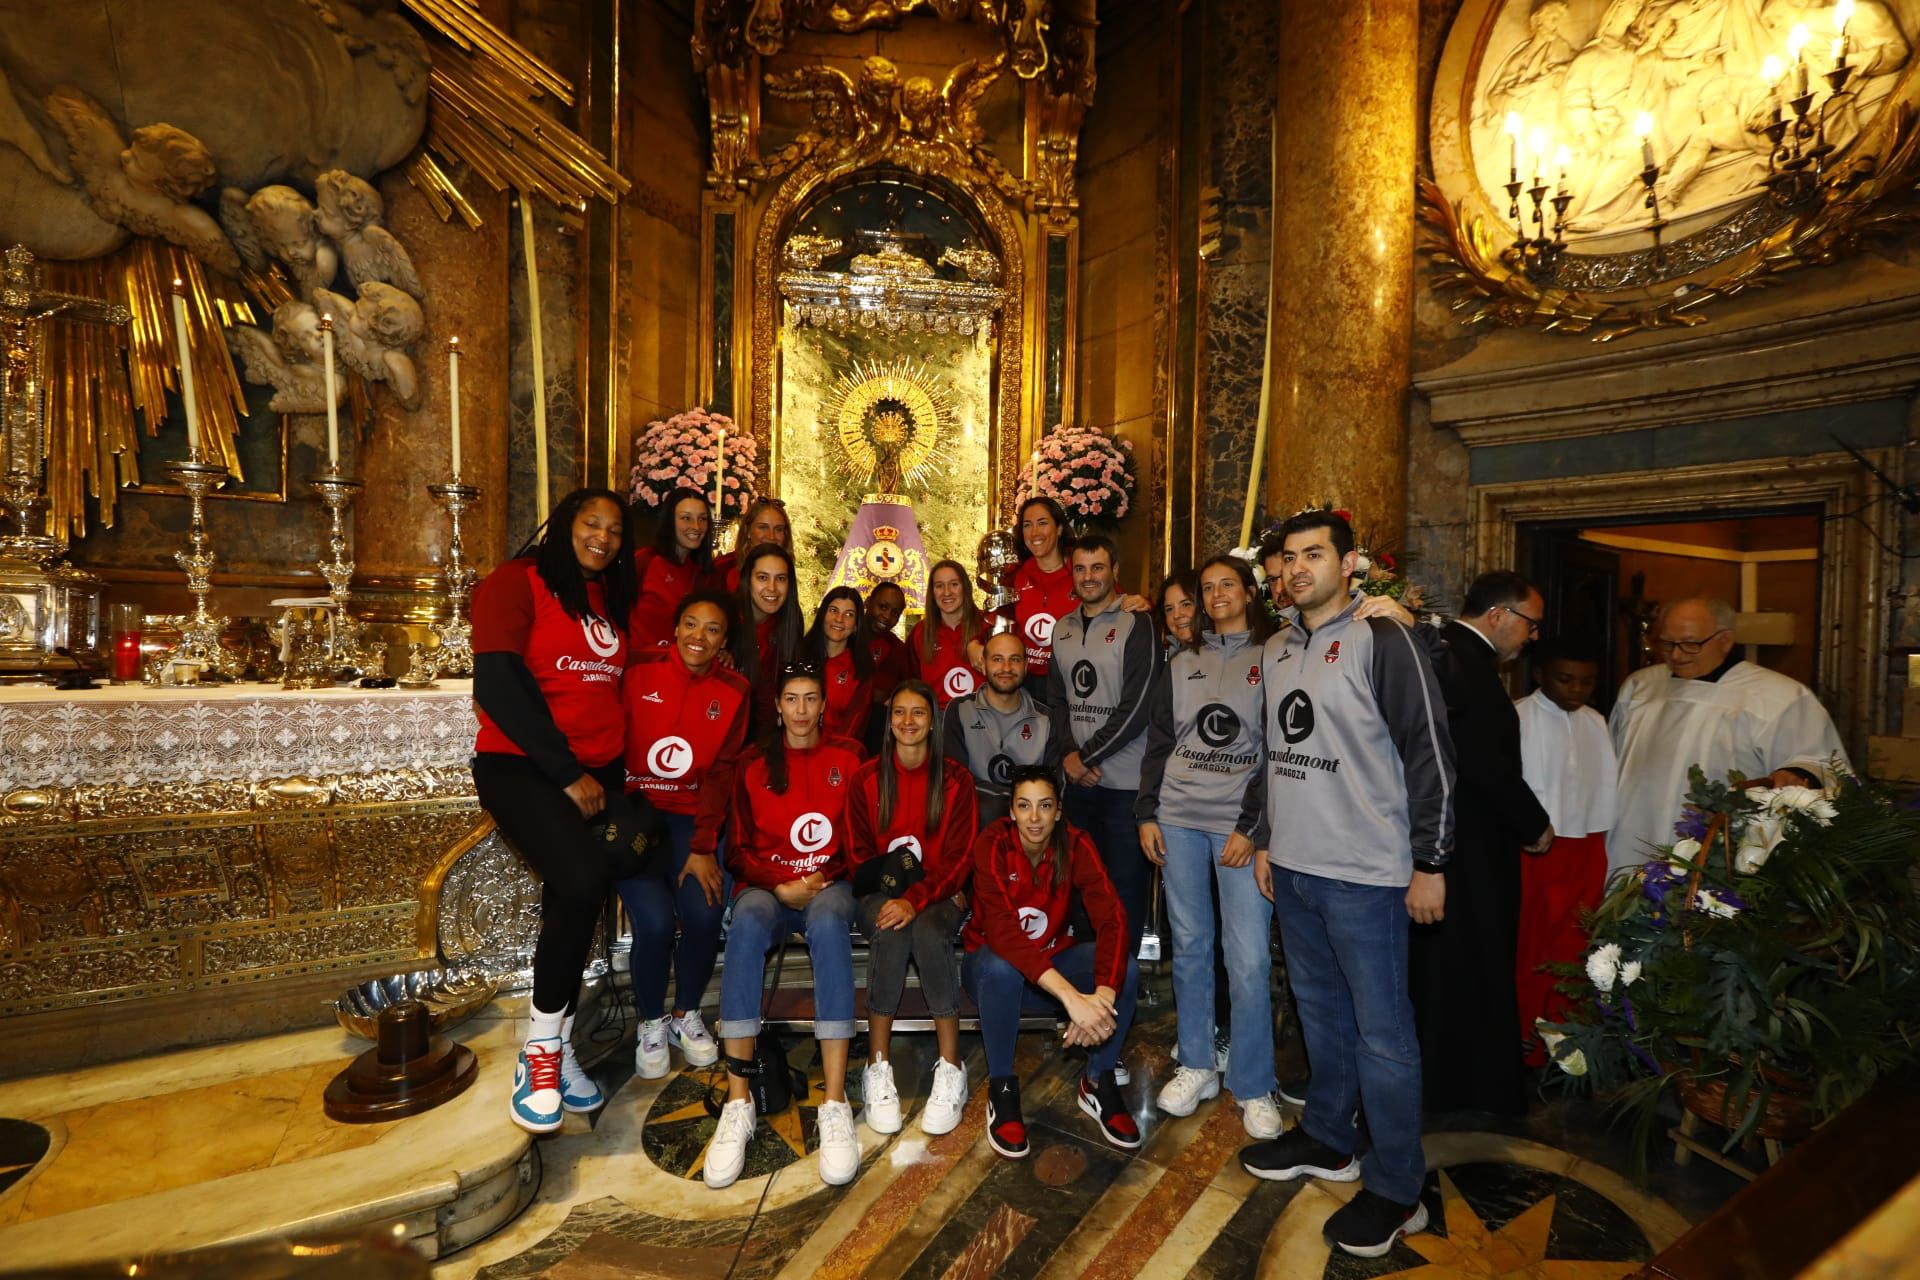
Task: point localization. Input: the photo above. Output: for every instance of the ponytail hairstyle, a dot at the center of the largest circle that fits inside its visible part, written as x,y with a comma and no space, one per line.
1062,833
551,549
969,612
773,744
936,759
1054,509
666,539
1259,621
815,646
787,630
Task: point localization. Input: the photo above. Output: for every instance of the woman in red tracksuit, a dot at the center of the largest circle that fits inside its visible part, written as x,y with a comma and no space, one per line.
912,816
686,726
1043,586
786,849
943,643
771,630
549,650
680,557
1028,868
834,646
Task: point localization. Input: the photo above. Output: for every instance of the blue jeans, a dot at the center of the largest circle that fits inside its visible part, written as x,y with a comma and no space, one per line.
1346,948
1107,818
1003,993
1193,862
655,905
759,921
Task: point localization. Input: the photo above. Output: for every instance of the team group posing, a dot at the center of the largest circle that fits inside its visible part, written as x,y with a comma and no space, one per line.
1011,787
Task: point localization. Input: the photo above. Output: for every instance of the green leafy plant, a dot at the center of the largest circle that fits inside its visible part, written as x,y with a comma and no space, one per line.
1768,965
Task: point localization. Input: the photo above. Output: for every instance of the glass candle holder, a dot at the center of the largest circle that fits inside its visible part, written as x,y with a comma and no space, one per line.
128,621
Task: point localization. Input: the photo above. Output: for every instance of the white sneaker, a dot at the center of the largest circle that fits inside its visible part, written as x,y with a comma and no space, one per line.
691,1037
727,1153
1260,1117
881,1100
946,1101
1189,1088
650,1058
839,1150
578,1092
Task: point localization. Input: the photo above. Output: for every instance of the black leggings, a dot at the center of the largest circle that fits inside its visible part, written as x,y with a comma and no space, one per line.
545,828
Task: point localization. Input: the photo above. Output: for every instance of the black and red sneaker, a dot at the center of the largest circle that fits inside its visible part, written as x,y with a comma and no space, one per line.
1006,1129
1103,1102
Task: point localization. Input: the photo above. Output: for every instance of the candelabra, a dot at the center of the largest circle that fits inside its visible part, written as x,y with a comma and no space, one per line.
200,636
455,654
1797,160
338,491
1648,177
1538,255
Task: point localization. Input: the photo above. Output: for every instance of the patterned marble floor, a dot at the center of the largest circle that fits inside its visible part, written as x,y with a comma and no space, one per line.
1542,1197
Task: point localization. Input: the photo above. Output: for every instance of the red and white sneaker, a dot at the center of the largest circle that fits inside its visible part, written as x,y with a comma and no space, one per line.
1006,1128
1103,1102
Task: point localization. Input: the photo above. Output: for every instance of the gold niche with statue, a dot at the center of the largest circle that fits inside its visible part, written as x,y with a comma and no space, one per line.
1607,166
888,233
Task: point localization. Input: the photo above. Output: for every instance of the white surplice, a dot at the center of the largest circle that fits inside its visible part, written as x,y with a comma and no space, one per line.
1751,719
1567,759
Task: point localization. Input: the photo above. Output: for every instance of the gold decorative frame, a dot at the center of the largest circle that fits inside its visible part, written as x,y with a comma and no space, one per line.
1853,564
1868,190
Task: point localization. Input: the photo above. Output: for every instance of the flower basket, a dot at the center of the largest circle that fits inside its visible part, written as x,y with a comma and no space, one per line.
1089,473
680,451
1784,1113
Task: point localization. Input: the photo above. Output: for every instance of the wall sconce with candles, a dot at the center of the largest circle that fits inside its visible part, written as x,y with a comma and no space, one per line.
1538,255
1798,159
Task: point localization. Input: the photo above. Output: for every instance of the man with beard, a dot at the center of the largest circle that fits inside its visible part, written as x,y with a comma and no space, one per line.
998,727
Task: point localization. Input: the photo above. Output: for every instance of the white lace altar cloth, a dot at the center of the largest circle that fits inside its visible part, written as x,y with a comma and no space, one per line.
133,735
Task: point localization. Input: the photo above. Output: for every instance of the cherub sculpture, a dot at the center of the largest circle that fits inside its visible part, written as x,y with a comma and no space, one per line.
351,213
278,222
288,359
372,335
144,185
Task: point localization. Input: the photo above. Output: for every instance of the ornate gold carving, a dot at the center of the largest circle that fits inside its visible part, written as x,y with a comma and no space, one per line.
767,25
979,265
358,938
107,800
292,793
806,253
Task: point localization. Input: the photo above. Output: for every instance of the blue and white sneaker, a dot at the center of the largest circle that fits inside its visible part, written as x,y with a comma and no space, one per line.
535,1104
578,1092
690,1036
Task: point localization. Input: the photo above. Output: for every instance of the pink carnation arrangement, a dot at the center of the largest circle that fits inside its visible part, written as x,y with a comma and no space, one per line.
680,452
1089,473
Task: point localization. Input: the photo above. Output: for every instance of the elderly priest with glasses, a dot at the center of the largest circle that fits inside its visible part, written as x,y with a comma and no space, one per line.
1708,707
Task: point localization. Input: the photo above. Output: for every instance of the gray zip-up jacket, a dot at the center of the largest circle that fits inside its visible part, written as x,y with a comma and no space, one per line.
994,743
1097,688
1206,740
1359,761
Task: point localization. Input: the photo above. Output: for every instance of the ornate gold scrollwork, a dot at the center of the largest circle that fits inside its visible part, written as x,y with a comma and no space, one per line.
1474,261
767,25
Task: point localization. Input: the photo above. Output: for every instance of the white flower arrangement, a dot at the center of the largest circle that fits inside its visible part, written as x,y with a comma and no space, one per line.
1089,473
680,452
1603,966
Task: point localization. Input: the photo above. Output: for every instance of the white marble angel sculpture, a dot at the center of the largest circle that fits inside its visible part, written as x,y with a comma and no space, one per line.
277,222
144,185
351,213
288,359
372,335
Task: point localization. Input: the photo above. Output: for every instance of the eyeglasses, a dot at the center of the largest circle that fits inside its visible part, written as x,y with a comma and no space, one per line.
1533,624
1688,648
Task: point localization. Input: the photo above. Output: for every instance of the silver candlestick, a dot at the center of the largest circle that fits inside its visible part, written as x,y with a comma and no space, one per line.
200,637
338,491
455,654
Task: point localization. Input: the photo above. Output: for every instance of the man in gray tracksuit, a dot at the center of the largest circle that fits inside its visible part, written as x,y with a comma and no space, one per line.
1360,812
1104,659
998,727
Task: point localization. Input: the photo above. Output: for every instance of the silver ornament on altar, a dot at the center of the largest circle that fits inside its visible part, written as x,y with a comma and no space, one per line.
994,563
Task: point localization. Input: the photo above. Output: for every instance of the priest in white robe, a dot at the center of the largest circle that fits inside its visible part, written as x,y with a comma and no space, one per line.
1709,708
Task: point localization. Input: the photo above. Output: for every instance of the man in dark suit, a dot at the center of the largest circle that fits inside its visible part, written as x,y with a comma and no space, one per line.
1462,973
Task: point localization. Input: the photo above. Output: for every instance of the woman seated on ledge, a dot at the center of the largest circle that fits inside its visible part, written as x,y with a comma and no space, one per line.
787,807
1029,868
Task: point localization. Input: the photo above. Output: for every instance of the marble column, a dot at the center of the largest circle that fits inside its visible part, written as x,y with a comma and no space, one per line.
400,533
1343,259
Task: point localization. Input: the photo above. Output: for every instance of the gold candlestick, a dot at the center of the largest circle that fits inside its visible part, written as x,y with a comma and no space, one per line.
454,657
200,637
338,491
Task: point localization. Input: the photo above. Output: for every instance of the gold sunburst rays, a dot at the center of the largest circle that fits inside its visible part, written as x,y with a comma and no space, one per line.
881,404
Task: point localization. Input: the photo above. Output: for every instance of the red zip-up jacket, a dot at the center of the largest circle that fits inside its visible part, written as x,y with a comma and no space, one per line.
1040,600
891,663
1021,909
849,698
684,732
950,673
664,583
946,855
777,838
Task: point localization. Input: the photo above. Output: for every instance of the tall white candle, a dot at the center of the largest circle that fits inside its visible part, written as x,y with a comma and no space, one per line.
453,395
186,369
333,408
719,470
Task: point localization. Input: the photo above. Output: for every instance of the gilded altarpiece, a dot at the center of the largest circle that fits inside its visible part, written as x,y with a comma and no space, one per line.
972,105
